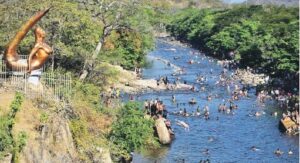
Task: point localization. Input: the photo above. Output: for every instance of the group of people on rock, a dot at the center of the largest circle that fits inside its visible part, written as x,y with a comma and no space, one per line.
288,102
294,116
156,109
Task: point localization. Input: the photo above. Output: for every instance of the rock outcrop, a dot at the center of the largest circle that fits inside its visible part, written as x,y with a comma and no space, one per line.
162,131
102,156
54,144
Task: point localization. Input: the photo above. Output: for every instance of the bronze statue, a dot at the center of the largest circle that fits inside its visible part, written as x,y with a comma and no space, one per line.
38,55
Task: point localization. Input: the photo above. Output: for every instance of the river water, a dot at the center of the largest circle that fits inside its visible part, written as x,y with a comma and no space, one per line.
228,139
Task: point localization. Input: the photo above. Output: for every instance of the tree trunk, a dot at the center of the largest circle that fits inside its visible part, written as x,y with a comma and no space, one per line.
98,48
89,63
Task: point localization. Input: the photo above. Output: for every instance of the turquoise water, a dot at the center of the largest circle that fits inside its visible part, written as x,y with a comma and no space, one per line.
230,138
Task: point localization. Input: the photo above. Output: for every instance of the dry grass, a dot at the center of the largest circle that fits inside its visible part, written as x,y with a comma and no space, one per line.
96,121
27,119
6,97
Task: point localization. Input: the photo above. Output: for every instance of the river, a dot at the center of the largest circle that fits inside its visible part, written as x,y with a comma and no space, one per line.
230,138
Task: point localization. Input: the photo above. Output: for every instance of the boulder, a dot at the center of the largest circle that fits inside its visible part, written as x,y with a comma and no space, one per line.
102,155
54,144
162,131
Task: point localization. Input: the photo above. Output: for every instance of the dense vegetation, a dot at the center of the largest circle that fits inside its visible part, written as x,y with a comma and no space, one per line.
89,35
262,37
121,129
132,131
81,31
74,30
8,142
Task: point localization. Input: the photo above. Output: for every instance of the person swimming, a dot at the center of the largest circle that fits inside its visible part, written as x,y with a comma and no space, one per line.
220,108
209,98
206,112
180,111
198,111
192,101
278,152
183,124
193,114
257,114
205,151
254,148
290,152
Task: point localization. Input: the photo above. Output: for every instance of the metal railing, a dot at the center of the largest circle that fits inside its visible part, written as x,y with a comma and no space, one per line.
50,85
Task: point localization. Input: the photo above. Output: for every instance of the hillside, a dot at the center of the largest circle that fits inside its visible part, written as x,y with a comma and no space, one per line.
274,2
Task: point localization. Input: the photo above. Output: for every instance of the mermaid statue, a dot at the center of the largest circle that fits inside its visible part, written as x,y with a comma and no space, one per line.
39,53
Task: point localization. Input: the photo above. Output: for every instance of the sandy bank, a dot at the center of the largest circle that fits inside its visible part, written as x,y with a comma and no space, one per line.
129,82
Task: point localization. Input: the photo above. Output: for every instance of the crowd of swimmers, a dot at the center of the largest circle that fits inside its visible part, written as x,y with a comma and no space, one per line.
197,113
156,108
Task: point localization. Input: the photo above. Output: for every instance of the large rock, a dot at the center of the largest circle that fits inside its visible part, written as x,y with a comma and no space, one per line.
102,156
162,131
53,145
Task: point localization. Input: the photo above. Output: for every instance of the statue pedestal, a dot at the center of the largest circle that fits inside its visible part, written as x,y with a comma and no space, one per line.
34,77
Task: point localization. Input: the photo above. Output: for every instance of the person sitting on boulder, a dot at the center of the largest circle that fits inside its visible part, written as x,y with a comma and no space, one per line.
168,125
153,109
164,112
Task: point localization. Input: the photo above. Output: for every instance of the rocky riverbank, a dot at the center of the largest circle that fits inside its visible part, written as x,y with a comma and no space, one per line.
244,75
130,82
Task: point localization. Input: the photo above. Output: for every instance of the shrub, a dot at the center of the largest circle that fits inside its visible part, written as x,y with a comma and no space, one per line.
132,131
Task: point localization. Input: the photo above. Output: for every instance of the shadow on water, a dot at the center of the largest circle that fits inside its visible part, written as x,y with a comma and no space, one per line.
229,138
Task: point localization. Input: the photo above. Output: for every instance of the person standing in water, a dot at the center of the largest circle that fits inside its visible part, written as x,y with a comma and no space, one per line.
173,98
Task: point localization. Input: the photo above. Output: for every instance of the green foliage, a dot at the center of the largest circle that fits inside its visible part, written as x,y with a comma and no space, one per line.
5,136
80,132
132,131
16,104
19,143
88,93
74,31
7,142
261,37
130,49
44,118
71,32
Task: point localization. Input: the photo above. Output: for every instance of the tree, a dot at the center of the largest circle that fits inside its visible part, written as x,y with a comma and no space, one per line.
113,16
71,34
